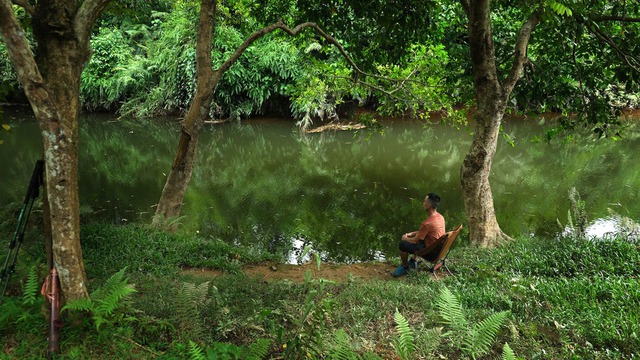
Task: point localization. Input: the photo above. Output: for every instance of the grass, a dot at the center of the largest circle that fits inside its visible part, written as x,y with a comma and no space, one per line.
568,299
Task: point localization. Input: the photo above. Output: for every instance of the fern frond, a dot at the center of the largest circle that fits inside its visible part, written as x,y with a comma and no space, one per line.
114,281
258,350
484,334
82,304
111,300
405,343
31,287
341,347
507,353
195,352
190,298
428,341
451,311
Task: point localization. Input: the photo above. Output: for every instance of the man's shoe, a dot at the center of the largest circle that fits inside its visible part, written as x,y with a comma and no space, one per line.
413,264
400,271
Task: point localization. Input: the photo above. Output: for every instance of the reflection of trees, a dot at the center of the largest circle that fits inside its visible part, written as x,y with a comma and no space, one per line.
537,177
119,165
348,195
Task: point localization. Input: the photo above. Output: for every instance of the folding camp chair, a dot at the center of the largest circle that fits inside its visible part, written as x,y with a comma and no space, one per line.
437,252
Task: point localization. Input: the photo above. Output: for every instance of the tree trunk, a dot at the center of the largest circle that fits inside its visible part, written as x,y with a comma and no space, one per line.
491,98
62,29
179,177
476,189
60,59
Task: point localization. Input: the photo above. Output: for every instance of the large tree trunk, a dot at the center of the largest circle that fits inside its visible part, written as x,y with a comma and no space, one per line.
60,58
476,189
178,180
491,98
62,30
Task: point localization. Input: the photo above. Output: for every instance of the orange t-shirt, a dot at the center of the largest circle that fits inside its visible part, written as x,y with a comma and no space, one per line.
431,229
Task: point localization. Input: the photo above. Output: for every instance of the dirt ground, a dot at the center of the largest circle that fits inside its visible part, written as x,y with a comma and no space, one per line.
296,273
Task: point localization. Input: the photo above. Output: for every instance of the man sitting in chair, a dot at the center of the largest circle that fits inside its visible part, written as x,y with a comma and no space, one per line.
431,229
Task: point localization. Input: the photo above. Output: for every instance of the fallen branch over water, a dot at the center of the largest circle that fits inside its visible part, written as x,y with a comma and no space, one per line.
335,127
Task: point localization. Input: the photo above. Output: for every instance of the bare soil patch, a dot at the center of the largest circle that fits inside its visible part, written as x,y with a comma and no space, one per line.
297,273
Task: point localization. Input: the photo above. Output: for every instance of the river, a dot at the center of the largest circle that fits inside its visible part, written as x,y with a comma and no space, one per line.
348,194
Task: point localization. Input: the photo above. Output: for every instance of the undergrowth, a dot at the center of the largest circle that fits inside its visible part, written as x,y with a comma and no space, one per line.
532,298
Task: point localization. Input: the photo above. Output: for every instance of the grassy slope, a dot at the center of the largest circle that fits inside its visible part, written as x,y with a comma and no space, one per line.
567,298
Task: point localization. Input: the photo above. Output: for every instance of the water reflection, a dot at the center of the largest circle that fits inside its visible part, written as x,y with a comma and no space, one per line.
348,194
614,226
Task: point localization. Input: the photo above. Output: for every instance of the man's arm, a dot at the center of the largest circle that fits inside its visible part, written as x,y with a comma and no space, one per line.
411,237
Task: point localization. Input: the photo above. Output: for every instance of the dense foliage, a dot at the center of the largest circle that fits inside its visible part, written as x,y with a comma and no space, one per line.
566,297
581,59
559,298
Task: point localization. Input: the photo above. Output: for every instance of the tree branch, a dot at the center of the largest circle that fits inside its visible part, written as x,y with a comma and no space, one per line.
520,55
25,5
293,32
622,18
24,62
86,18
630,60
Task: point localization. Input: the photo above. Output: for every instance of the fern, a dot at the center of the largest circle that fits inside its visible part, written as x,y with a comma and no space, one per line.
405,343
105,302
507,353
484,333
474,340
341,347
190,299
195,352
429,340
258,350
109,296
31,287
451,311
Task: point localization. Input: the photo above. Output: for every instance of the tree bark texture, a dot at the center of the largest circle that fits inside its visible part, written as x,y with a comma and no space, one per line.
491,96
52,86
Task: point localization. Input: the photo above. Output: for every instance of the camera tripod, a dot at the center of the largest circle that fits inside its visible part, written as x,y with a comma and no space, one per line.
33,191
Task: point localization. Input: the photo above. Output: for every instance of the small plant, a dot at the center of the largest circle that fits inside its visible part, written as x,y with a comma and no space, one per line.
341,349
107,304
170,223
473,339
577,222
307,338
190,300
405,342
26,308
507,353
218,350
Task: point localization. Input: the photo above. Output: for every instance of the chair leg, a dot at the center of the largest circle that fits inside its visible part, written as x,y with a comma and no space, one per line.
447,268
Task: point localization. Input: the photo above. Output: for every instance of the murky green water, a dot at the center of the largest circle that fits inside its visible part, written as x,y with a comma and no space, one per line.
349,194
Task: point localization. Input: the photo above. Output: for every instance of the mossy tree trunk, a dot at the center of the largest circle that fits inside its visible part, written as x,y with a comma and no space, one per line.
62,29
492,95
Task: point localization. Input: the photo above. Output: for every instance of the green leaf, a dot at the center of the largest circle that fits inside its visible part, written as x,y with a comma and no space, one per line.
507,353
6,127
405,343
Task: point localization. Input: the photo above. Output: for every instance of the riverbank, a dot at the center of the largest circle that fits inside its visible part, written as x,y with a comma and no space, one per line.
568,298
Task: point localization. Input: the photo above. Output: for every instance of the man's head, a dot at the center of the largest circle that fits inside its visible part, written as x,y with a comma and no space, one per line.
432,200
